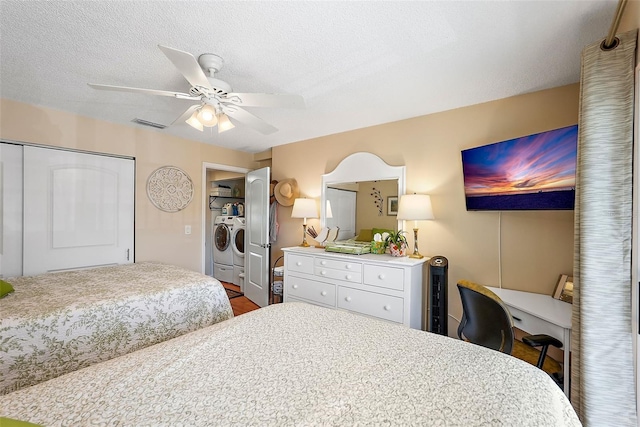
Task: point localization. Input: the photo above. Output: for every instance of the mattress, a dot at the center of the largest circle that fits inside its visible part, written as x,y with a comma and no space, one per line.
298,364
57,323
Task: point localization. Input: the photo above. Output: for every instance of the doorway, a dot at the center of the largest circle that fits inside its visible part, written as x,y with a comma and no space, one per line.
234,176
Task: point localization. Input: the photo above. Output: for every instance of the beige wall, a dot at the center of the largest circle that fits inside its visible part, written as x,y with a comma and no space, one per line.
159,235
367,212
531,249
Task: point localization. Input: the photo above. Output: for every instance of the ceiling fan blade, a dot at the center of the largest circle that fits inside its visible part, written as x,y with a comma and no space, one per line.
144,91
264,100
187,65
248,119
186,115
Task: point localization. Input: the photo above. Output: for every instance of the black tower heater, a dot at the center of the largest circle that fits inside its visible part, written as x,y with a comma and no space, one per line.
438,285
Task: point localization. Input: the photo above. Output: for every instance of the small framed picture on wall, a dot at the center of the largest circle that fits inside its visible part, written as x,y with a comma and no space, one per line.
392,205
564,289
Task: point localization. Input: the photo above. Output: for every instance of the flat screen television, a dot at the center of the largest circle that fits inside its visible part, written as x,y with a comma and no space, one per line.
535,172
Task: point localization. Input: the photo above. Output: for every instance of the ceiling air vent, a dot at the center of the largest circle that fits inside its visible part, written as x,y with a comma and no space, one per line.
148,123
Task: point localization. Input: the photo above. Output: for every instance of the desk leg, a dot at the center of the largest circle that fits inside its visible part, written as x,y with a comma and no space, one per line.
567,352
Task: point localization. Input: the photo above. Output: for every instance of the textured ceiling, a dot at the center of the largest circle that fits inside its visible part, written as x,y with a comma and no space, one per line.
356,64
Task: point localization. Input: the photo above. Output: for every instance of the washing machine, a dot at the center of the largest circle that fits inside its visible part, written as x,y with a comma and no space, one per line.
222,248
237,246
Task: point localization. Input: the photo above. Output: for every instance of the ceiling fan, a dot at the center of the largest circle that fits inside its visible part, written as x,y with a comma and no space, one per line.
216,101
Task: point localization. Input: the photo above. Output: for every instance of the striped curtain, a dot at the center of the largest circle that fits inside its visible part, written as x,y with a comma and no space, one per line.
602,378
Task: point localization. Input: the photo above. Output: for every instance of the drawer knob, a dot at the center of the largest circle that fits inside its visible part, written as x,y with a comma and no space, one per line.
298,263
387,308
348,266
323,262
381,276
323,293
295,286
347,299
348,277
323,272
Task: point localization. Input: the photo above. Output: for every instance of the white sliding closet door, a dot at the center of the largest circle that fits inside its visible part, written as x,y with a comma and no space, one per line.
78,210
10,210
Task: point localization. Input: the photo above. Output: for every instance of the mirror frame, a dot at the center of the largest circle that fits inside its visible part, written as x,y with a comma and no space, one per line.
357,167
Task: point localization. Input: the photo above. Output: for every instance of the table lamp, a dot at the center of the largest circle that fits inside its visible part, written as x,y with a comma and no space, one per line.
415,207
304,208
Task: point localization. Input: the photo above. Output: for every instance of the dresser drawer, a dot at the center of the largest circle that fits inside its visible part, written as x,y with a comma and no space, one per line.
377,305
300,263
335,264
534,325
316,292
384,277
347,276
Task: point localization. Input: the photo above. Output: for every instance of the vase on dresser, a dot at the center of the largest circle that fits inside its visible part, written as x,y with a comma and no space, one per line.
398,250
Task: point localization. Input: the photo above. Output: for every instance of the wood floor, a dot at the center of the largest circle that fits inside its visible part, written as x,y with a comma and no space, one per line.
240,305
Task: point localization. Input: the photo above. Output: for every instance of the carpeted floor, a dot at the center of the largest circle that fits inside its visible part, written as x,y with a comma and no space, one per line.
233,294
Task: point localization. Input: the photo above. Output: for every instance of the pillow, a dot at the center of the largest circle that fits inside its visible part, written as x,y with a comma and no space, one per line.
365,235
5,288
381,230
10,422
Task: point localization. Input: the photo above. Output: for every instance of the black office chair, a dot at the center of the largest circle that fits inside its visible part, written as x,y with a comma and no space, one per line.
486,321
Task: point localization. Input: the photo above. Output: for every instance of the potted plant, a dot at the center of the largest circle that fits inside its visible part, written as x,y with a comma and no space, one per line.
397,243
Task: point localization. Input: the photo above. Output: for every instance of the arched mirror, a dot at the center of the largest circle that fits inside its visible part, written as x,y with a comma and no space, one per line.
363,193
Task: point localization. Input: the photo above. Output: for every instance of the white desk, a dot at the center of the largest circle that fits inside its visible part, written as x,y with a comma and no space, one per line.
541,314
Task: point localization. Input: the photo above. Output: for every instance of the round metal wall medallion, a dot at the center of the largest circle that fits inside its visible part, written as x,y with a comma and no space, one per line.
170,189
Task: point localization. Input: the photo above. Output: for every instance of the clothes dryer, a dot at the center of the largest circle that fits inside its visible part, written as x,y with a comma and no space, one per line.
237,246
222,248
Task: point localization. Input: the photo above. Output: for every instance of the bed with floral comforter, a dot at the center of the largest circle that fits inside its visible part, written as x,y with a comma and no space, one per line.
56,323
296,364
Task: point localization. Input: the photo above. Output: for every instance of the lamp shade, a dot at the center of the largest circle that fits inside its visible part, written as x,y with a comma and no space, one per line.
194,122
415,207
304,208
207,116
224,123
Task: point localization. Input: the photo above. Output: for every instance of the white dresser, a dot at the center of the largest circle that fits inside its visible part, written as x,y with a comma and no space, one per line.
381,286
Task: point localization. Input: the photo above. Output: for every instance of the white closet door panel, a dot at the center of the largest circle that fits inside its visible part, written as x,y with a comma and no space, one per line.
10,210
79,210
86,214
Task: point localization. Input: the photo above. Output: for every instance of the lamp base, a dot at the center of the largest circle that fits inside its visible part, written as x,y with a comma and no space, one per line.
304,243
415,253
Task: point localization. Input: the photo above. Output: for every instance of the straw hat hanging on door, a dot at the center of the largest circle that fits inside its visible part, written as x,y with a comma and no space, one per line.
286,191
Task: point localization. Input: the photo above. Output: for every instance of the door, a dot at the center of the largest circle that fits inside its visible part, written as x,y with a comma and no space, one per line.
343,206
78,210
256,259
10,210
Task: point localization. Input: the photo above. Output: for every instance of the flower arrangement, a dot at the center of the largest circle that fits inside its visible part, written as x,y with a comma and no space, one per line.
379,243
397,243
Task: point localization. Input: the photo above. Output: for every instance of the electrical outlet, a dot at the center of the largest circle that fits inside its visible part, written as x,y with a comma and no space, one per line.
187,229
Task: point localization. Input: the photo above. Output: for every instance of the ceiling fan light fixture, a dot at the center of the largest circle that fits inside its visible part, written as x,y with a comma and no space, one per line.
207,116
224,124
194,122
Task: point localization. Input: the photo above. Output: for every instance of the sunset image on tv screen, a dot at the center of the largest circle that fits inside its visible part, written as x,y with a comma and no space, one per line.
527,173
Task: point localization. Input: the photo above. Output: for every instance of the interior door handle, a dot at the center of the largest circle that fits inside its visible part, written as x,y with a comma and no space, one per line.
265,245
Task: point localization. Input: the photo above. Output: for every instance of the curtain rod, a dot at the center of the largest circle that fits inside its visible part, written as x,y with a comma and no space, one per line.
610,41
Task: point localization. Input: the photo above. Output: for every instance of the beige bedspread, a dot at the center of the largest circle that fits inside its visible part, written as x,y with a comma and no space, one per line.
60,322
295,364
